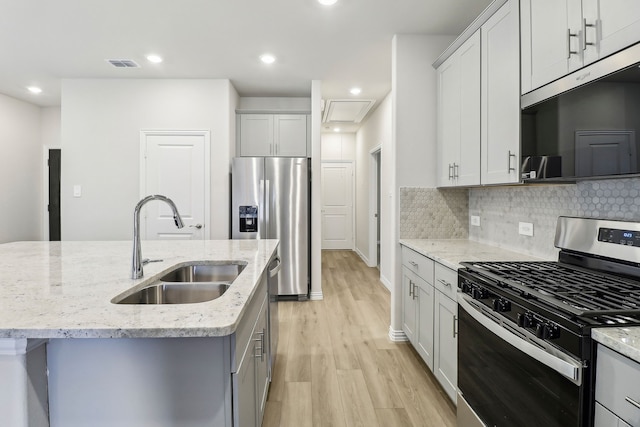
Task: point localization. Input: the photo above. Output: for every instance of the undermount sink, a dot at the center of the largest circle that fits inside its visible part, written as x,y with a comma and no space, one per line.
191,283
206,272
175,293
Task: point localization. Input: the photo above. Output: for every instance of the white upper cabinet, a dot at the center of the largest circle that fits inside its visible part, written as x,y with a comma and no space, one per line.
290,135
458,124
609,26
500,97
281,135
561,36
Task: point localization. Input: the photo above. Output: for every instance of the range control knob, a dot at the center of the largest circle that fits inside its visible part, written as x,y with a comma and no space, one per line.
479,293
547,330
466,287
542,331
526,320
501,305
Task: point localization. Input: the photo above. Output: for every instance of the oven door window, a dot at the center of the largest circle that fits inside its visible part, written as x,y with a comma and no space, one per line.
507,387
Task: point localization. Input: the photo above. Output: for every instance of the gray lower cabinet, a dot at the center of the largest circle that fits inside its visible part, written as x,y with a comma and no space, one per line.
163,382
617,391
251,379
429,315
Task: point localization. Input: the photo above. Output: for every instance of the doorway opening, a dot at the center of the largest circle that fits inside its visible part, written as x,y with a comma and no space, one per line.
374,206
53,202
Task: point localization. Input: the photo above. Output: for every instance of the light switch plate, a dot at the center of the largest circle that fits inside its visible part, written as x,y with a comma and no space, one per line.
525,228
475,220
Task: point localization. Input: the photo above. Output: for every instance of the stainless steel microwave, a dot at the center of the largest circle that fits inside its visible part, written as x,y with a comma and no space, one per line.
586,124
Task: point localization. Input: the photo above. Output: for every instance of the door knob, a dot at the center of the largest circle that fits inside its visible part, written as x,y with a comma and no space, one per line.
198,226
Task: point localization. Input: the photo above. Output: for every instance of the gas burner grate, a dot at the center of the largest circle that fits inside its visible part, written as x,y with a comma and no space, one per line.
577,290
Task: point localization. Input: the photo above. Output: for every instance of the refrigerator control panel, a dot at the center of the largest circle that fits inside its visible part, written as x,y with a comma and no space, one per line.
248,219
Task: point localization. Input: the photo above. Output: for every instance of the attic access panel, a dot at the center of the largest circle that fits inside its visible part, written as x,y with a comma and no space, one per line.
346,110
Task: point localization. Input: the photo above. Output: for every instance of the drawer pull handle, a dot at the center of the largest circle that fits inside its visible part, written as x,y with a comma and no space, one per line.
444,282
413,263
633,402
455,320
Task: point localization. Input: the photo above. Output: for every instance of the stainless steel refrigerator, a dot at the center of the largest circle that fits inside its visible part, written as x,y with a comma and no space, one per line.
270,199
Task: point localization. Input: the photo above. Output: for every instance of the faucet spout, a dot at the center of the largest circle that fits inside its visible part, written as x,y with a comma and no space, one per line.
136,264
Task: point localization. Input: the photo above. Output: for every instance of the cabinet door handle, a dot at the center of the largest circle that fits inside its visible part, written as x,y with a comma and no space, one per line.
455,320
584,33
569,51
632,401
450,171
509,168
410,288
455,170
444,282
260,350
414,264
414,291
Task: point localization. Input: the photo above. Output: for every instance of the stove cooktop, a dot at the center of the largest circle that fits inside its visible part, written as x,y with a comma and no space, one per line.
575,290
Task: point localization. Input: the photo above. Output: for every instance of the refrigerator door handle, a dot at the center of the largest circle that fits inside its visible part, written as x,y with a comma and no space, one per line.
261,208
274,271
267,210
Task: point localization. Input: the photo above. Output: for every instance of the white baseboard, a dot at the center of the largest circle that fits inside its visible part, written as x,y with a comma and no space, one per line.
364,258
396,335
385,282
316,296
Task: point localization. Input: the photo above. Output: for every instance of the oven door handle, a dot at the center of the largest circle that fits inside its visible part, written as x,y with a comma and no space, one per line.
570,370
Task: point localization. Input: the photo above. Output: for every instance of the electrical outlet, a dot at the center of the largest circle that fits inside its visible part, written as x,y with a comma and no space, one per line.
525,228
77,190
475,220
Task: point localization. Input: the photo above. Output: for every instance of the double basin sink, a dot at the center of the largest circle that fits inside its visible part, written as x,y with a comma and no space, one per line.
186,284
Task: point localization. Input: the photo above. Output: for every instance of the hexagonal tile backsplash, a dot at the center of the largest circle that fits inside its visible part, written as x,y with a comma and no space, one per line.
502,208
431,213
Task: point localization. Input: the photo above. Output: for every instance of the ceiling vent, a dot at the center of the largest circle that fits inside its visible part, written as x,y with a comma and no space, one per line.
123,63
342,111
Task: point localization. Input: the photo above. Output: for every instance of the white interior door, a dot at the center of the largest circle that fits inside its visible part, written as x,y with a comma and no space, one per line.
337,205
175,164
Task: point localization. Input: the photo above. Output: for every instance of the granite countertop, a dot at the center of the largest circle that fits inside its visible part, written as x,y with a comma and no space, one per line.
625,341
452,252
64,289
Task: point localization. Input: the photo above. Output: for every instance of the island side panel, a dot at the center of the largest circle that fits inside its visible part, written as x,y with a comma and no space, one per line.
135,382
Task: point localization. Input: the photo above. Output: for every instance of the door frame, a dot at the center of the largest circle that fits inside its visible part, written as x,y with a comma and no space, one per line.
353,196
45,188
207,169
375,155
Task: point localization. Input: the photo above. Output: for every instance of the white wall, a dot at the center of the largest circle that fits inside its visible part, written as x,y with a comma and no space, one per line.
20,171
413,84
375,132
274,104
316,191
101,123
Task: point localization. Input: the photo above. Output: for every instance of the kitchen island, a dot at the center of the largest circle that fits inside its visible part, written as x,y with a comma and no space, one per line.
53,293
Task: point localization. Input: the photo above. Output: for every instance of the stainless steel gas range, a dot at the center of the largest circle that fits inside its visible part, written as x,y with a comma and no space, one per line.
525,355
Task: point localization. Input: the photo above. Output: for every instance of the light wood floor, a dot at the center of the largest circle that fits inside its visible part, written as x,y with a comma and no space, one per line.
336,365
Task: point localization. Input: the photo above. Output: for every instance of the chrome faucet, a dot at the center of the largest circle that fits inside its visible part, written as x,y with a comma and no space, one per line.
136,265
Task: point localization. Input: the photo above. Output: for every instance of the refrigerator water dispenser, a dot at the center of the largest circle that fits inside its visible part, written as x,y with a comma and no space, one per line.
248,219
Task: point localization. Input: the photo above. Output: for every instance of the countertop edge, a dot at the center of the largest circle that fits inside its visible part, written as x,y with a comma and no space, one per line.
625,341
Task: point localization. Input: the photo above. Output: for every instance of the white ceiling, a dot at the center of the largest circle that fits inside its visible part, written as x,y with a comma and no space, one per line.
345,45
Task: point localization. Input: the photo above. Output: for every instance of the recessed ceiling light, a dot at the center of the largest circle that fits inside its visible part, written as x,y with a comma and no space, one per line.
154,58
268,58
336,129
34,89
355,91
327,2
